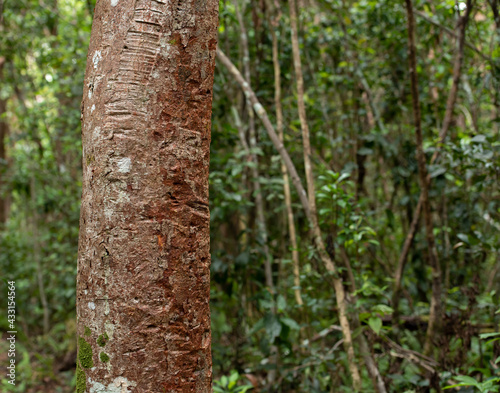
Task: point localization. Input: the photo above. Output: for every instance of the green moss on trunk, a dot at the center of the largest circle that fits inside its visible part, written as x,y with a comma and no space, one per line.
81,384
104,357
102,339
85,353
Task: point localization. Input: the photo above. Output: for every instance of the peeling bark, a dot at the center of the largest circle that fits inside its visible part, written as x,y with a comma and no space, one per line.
143,266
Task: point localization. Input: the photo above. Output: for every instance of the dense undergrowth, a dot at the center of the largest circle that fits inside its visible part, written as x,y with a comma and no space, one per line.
359,108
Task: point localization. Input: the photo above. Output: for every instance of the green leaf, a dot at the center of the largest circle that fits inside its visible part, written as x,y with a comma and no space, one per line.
290,323
464,379
479,139
364,151
437,172
281,303
233,378
382,309
272,326
376,324
489,335
258,325
342,177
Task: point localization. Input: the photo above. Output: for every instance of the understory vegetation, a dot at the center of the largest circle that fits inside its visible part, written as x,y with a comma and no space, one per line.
413,238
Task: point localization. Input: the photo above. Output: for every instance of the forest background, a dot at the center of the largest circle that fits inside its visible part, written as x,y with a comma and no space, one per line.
274,315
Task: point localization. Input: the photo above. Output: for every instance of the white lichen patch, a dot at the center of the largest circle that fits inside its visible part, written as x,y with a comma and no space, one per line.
114,3
169,49
119,385
259,109
90,94
123,197
109,211
124,165
116,205
106,306
97,132
109,328
91,305
97,58
92,109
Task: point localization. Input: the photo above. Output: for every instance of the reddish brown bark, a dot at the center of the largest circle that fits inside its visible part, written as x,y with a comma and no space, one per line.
143,266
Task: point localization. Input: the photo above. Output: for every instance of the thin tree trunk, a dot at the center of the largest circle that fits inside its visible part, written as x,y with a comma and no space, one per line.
261,113
259,202
450,105
329,263
369,99
364,348
330,266
457,71
495,8
143,287
435,307
286,182
38,258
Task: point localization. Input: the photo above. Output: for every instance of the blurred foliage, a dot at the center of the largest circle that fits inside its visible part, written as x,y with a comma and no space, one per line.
354,57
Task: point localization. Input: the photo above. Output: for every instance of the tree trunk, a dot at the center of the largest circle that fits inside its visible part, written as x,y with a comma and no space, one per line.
450,105
311,193
143,266
259,200
435,306
327,261
286,182
37,256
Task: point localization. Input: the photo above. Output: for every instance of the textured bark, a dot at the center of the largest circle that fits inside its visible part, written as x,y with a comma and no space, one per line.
143,267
